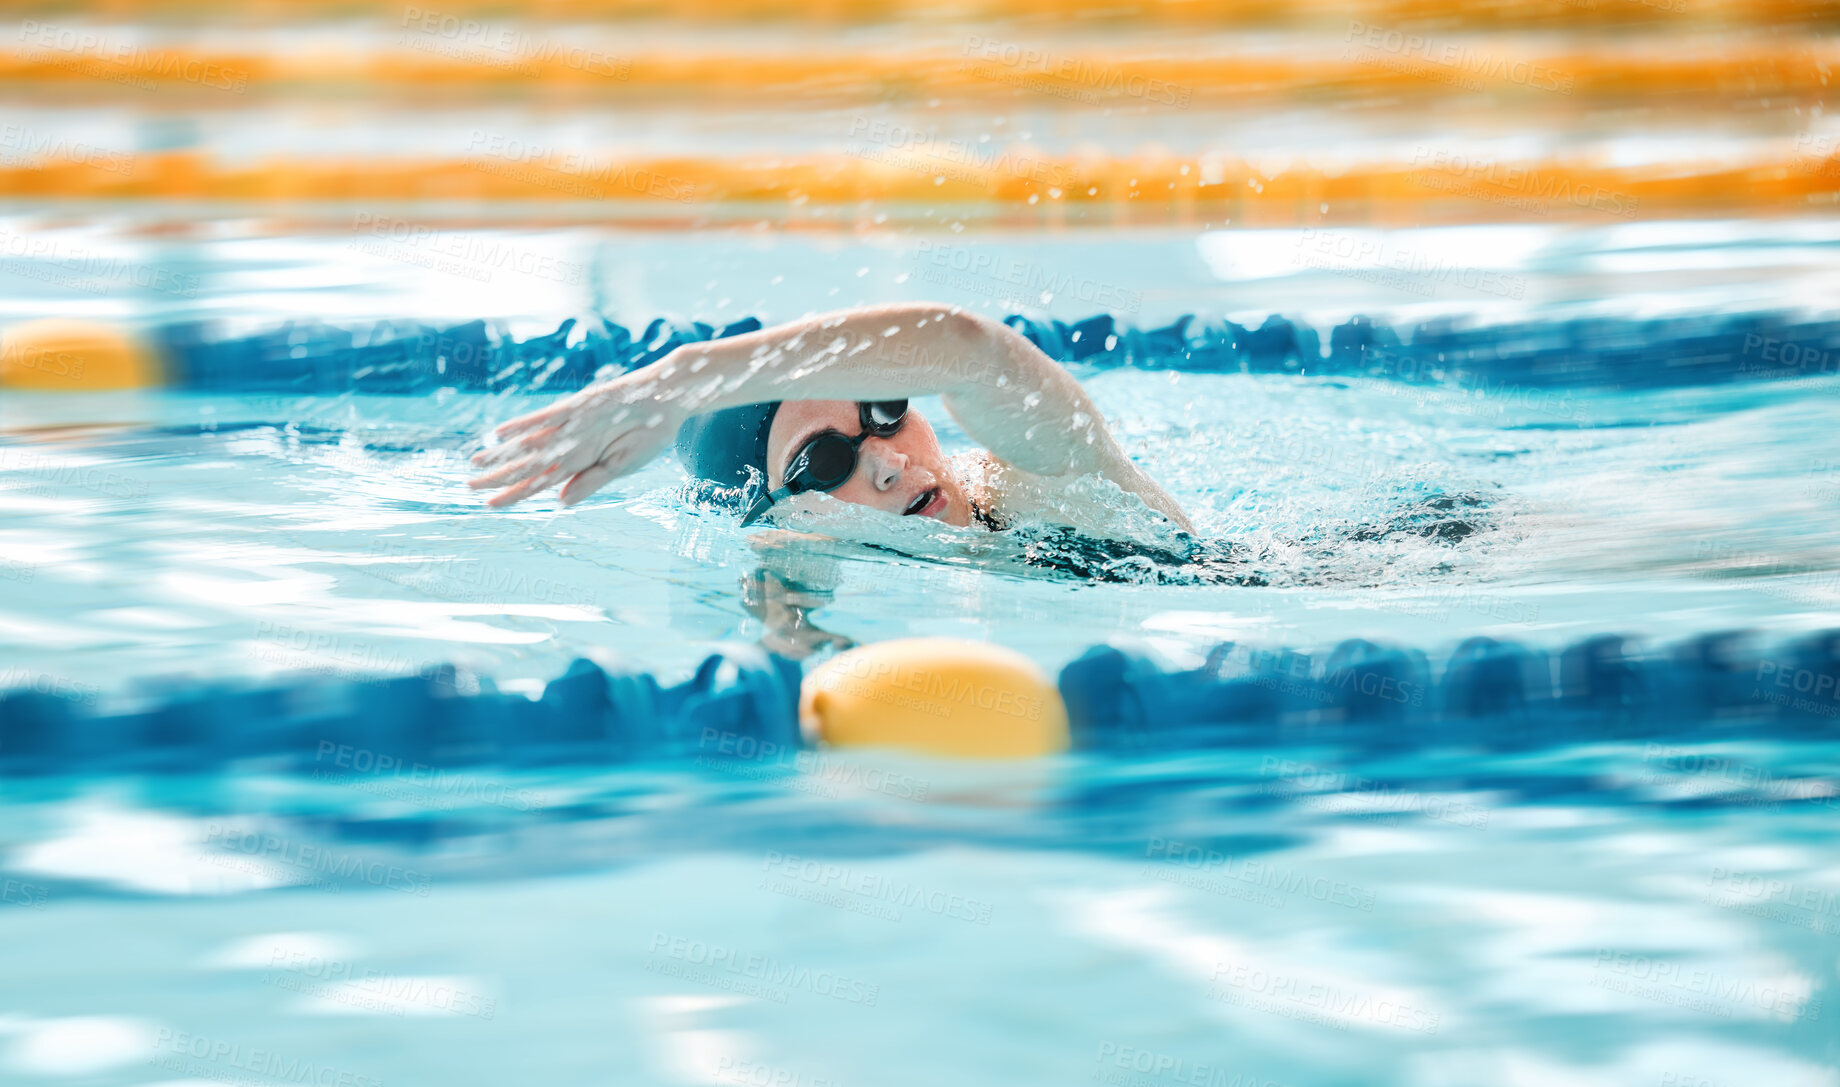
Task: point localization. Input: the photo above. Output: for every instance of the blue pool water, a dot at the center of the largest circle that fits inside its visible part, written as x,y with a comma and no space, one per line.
1656,912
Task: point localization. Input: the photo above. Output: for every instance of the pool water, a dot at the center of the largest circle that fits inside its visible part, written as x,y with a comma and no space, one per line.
220,536
1660,913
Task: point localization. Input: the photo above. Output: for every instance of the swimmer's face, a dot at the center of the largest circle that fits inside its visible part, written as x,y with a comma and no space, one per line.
906,474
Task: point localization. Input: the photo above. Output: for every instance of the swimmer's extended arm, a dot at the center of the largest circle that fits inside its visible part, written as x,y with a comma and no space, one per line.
1019,403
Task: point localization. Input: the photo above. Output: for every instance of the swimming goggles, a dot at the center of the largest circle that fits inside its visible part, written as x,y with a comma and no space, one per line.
828,460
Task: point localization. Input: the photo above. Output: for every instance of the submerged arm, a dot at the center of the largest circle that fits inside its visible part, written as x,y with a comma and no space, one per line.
1007,395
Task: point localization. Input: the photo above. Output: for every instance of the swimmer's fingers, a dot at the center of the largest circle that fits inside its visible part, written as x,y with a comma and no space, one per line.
586,482
523,424
566,454
505,450
524,490
584,406
624,455
514,472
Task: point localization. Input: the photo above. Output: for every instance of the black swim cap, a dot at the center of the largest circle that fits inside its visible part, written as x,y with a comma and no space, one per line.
721,446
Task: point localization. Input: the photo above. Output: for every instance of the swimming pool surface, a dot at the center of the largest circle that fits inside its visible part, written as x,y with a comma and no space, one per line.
1657,912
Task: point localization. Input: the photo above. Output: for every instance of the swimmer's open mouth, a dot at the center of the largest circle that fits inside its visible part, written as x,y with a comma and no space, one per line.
923,501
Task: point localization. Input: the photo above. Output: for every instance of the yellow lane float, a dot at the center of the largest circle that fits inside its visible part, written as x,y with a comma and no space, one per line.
58,354
935,696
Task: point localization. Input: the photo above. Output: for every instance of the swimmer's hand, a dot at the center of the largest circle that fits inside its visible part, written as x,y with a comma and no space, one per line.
582,442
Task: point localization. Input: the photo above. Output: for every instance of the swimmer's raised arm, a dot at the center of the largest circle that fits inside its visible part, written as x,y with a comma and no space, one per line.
1020,404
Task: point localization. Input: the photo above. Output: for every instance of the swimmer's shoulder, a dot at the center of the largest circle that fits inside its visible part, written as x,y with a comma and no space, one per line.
1003,495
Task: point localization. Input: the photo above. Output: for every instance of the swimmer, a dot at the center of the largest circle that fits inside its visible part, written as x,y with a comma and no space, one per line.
790,417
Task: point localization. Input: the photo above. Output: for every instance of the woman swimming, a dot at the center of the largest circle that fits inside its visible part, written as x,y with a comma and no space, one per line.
818,406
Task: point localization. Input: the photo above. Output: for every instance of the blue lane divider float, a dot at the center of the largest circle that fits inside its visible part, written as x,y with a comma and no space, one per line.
441,717
1604,352
1486,693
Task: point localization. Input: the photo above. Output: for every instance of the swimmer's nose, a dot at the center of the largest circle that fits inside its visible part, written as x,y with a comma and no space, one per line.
883,463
